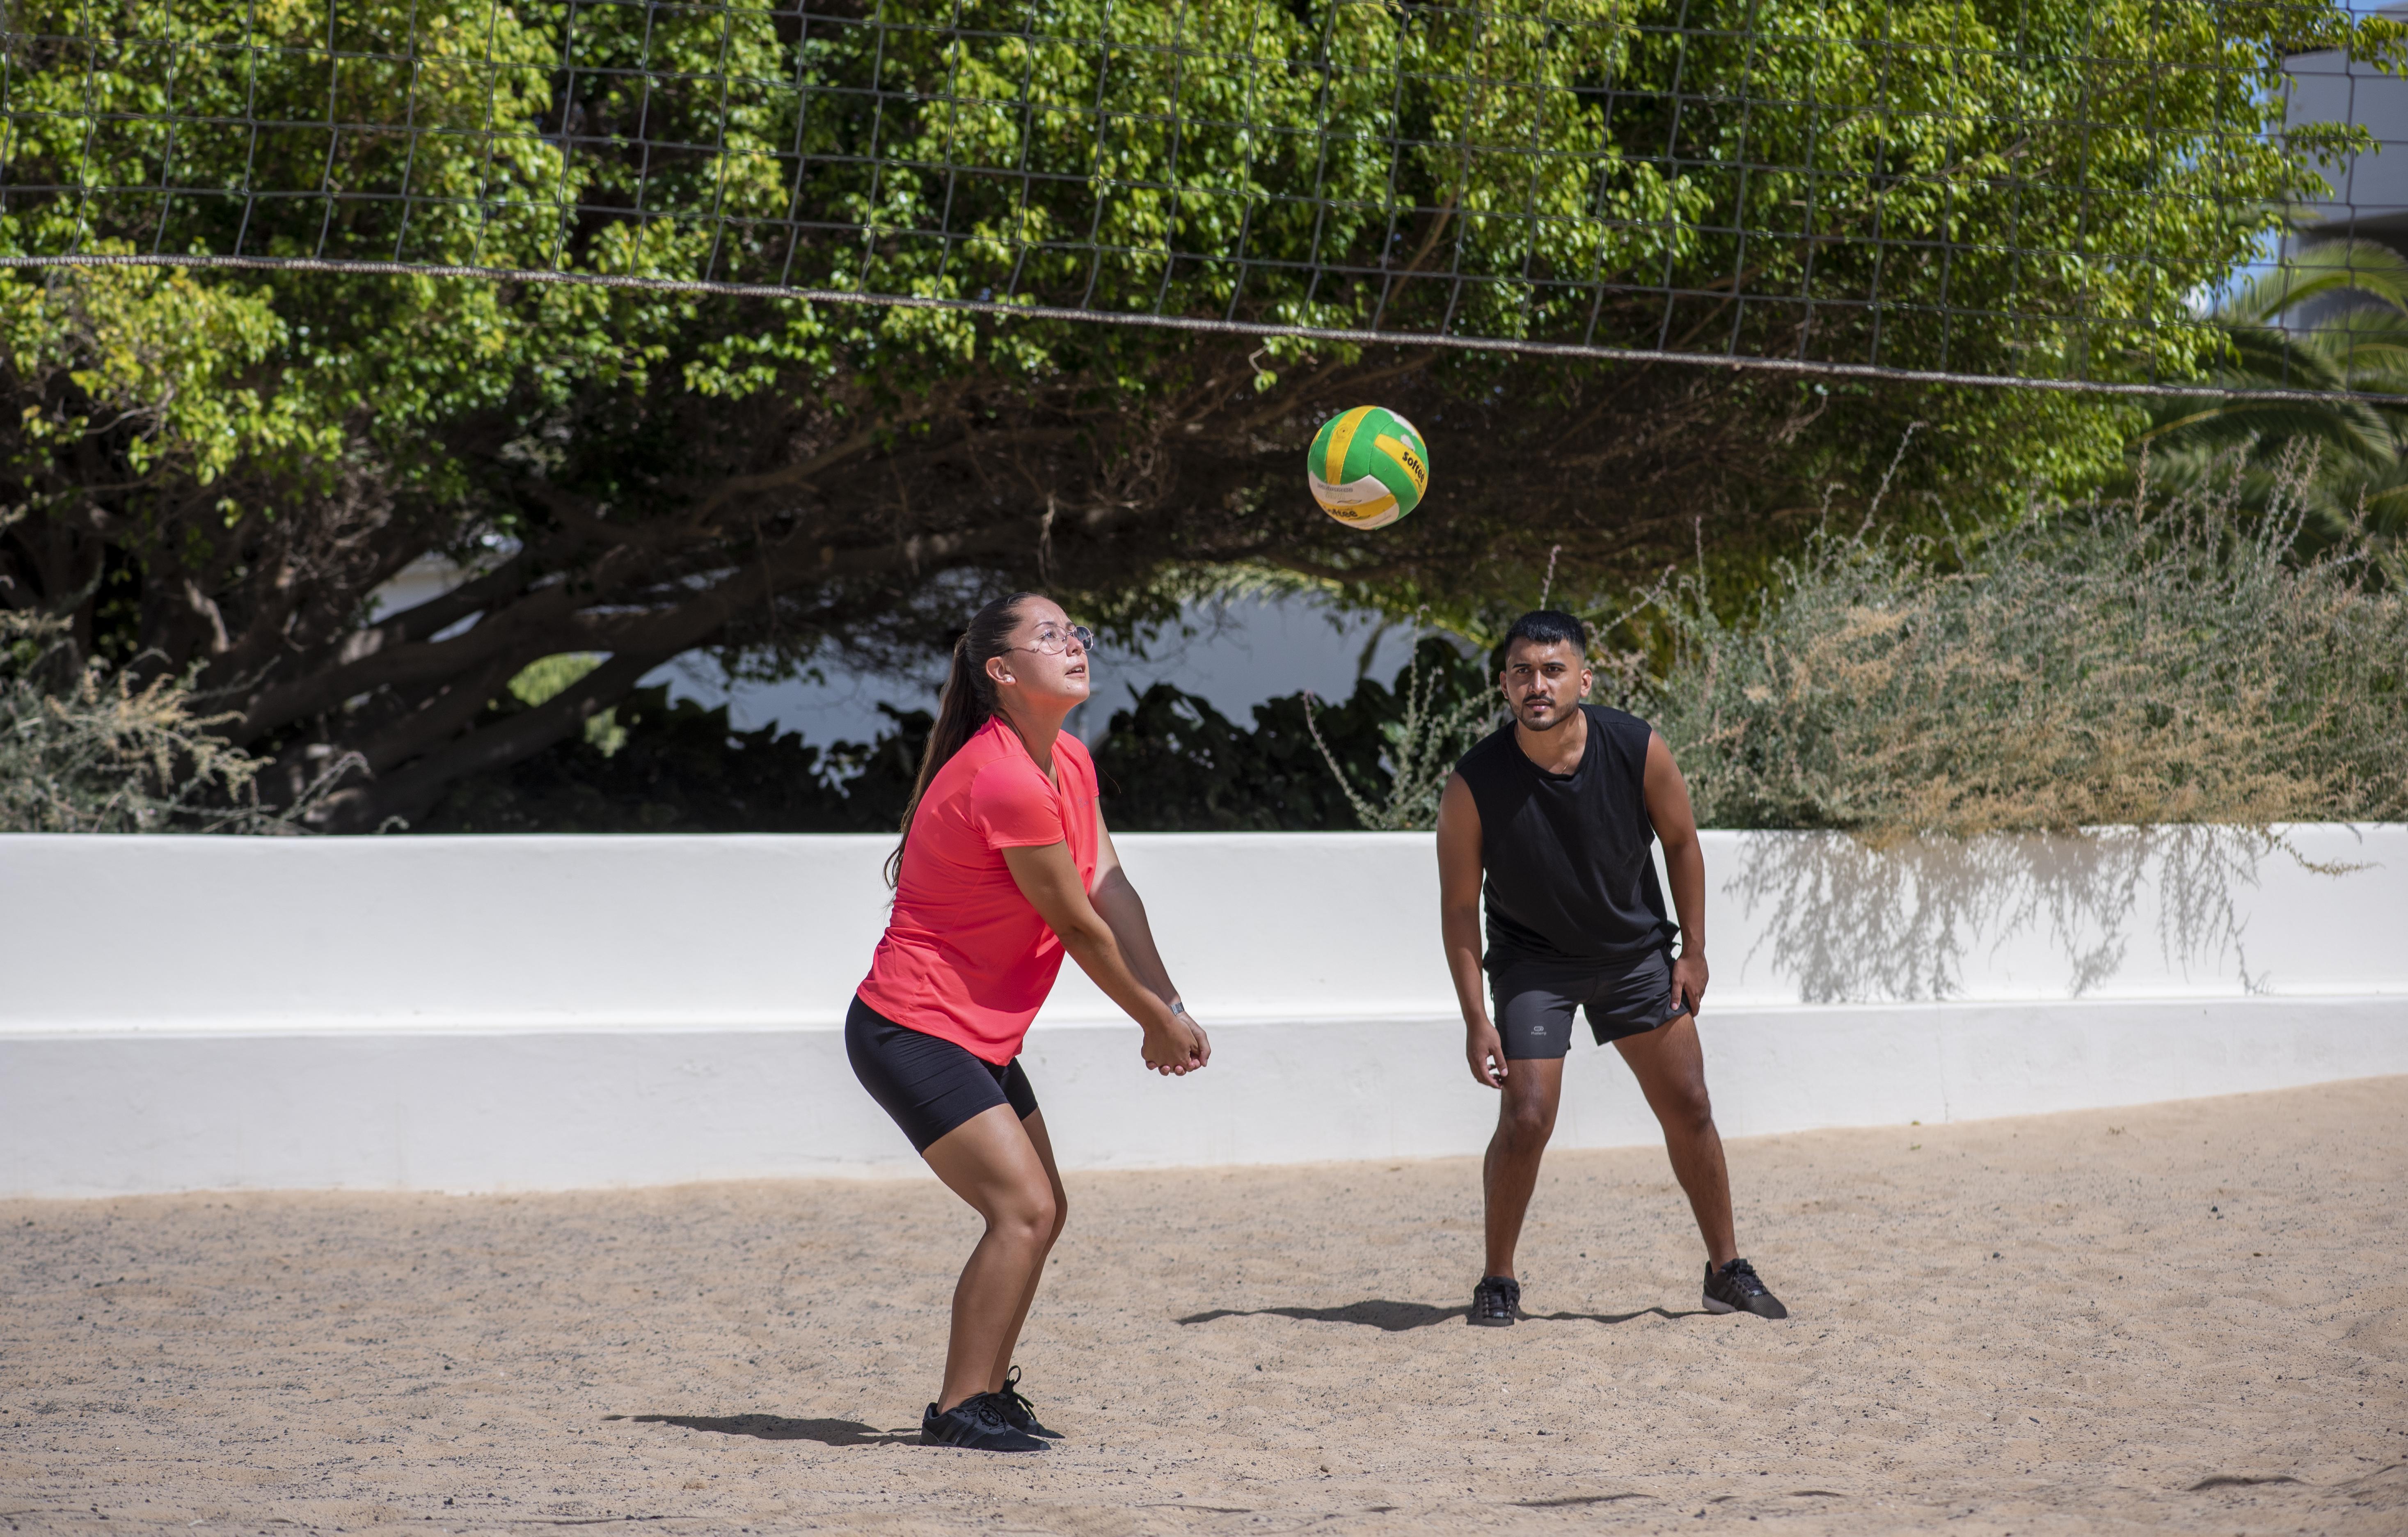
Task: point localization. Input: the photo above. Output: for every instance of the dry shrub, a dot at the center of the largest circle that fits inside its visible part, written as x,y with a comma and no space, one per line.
2114,664
91,753
1447,707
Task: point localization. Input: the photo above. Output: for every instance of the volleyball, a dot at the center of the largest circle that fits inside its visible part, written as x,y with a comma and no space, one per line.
1369,466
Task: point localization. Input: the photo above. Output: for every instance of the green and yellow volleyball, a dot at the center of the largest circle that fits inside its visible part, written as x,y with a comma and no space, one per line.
1369,466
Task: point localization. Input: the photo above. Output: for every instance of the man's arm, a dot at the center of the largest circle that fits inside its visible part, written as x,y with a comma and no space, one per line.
1458,909
1676,828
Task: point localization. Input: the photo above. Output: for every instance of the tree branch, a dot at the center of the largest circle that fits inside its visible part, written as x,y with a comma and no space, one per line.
637,646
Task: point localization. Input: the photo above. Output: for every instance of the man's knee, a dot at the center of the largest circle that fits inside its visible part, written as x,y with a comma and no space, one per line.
1527,1121
1685,1107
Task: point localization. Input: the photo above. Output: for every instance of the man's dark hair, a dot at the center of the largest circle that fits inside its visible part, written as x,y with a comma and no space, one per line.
1547,627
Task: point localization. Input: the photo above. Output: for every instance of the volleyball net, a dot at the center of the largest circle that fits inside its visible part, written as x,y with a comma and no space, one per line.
2037,192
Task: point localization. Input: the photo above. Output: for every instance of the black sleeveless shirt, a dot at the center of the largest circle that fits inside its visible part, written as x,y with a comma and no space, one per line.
1570,871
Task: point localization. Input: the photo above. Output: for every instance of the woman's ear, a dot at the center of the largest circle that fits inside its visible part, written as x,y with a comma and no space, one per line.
997,670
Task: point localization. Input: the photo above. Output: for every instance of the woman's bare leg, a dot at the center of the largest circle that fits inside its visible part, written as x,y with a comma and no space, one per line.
990,1161
1035,1127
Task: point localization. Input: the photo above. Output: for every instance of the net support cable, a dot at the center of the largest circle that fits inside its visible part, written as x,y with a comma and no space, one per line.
1193,324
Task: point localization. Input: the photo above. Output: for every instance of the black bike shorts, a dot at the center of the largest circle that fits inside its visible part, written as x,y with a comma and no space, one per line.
928,1084
1533,1002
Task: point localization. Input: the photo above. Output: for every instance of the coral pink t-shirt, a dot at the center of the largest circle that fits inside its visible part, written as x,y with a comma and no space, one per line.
965,957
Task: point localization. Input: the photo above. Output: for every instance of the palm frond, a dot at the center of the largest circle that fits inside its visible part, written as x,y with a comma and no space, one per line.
2318,271
2362,347
2352,428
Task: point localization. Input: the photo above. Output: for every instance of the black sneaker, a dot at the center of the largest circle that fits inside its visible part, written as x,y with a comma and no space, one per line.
977,1423
1019,1413
1734,1288
1496,1303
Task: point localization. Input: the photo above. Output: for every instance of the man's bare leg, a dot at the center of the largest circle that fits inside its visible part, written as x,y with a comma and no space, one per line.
1670,1066
1526,1118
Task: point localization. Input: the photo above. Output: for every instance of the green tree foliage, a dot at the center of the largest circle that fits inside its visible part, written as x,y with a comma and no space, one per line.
217,469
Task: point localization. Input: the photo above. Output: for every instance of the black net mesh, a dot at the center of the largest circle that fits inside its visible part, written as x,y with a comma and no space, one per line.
2041,191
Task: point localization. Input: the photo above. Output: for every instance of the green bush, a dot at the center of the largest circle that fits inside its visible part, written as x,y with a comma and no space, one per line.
674,766
1172,763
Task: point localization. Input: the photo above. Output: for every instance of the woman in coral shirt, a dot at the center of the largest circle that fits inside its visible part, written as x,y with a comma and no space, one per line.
1004,866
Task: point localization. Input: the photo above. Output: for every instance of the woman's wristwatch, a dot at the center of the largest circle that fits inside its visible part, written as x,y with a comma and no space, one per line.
1178,1008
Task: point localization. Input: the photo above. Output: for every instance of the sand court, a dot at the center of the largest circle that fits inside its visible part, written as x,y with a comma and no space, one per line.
2188,1316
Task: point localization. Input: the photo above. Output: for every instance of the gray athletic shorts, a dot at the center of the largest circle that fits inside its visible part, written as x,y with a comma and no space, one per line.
1534,999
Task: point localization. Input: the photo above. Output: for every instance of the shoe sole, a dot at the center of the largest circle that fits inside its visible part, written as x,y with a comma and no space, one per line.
928,1440
1477,1322
1007,1451
1714,1306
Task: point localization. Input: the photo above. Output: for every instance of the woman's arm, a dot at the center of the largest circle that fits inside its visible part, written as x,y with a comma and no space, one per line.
1049,878
1124,911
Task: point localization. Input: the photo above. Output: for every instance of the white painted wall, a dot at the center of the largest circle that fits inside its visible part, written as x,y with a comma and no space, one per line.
542,1012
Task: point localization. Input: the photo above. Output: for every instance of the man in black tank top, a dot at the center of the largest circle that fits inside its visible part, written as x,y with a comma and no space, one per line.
1558,811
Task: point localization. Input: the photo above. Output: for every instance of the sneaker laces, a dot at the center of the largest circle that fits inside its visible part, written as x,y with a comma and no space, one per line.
1013,1400
1739,1273
1505,1288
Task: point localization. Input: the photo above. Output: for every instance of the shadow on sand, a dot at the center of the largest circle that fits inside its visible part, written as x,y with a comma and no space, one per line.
1396,1318
828,1432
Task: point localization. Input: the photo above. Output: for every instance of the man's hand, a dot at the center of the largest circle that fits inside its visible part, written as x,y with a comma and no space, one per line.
1486,1051
1179,1049
1688,985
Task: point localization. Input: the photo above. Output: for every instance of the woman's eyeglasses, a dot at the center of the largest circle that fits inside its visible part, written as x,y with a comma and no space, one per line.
1053,640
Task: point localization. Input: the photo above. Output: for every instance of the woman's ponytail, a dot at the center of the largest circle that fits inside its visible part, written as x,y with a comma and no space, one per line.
967,704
